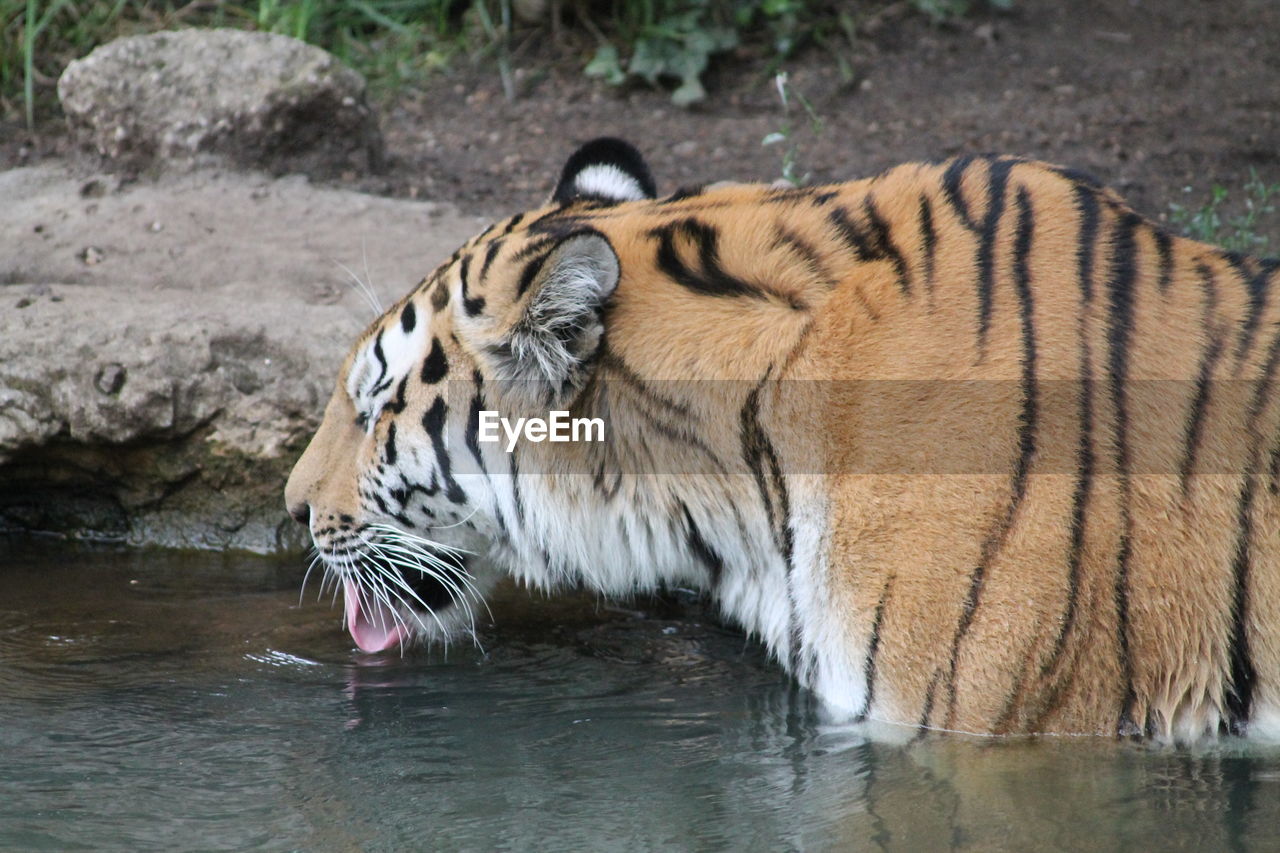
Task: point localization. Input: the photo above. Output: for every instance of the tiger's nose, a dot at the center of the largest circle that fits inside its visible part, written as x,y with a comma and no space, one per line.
301,513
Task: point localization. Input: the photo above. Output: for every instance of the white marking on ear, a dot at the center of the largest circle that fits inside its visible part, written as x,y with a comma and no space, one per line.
608,182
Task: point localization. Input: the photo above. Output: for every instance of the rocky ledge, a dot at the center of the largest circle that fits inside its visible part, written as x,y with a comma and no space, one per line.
166,348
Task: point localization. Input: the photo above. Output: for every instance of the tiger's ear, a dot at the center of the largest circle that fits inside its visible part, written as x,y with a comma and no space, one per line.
546,348
605,169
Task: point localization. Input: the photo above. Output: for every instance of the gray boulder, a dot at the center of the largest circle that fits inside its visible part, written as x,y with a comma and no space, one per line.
167,349
193,96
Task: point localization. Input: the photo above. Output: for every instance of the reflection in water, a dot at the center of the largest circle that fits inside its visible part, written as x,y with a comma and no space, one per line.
176,702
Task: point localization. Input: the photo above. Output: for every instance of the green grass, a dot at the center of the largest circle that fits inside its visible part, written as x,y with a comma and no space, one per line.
395,43
1241,224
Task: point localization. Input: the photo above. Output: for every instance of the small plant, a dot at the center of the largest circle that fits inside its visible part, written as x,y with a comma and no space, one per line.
665,44
784,136
1238,232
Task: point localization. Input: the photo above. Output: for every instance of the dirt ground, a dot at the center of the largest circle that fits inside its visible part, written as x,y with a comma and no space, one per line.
1150,96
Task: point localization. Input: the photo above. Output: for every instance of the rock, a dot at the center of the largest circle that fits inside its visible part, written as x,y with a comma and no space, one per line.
162,395
194,96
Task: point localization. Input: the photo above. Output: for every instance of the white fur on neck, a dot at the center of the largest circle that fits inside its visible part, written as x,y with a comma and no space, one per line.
564,532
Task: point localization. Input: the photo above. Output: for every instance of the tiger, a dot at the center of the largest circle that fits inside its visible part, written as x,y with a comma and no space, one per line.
969,445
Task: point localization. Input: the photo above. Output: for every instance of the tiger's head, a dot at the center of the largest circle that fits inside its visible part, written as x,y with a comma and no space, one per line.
397,495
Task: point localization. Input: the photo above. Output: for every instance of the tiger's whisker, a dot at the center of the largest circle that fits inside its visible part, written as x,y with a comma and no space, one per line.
455,592
452,573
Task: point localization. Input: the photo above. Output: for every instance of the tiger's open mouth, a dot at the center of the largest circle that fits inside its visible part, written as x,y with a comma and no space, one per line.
397,587
378,622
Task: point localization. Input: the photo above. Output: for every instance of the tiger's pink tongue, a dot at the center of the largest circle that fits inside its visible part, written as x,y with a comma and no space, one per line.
372,624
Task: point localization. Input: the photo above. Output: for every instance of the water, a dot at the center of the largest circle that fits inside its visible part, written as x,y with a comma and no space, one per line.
189,703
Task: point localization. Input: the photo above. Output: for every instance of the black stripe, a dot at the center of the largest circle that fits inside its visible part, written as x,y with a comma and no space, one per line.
473,433
883,243
428,491
758,453
702,549
854,236
439,296
396,405
529,273
1243,674
683,193
1256,282
435,365
1026,435
927,711
711,279
1079,512
928,240
1164,250
490,255
512,223
1080,178
1204,383
1087,208
996,182
433,421
608,490
952,179
555,221
1003,721
471,306
777,195
1086,204
1239,694
873,647
660,413
535,247
516,498
806,252
389,448
1120,304
408,317
382,365
1273,469
671,407
1022,283
998,170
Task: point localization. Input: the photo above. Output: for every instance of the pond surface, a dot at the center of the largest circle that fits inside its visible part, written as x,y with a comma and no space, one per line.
188,702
